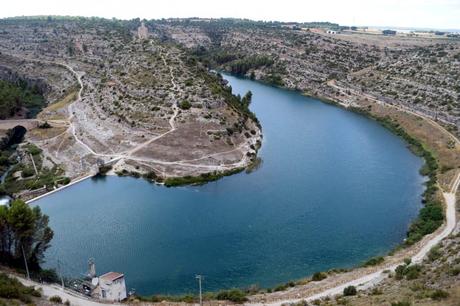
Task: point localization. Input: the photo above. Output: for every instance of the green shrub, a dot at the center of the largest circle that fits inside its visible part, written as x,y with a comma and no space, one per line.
454,271
177,299
281,287
56,299
200,179
399,272
34,150
410,272
27,172
65,181
318,276
435,253
374,261
12,289
439,294
48,276
185,105
349,291
234,295
376,291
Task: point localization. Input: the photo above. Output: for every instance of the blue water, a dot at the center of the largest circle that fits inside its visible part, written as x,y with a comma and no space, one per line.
334,189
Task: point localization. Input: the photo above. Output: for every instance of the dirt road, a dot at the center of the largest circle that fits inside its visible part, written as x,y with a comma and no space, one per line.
52,290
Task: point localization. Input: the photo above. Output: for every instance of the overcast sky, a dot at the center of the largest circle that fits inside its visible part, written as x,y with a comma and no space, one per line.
441,14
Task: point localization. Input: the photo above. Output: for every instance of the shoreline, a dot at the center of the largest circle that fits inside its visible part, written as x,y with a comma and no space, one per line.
420,248
372,278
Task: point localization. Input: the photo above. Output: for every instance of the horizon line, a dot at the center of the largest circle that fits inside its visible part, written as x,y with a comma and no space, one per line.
237,18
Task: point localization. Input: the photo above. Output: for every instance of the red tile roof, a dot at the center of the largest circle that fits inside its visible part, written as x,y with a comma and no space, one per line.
111,276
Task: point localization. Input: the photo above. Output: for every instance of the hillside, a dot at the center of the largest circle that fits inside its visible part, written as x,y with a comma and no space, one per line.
420,73
143,106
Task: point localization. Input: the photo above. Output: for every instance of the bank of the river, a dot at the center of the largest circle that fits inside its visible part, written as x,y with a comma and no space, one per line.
426,225
435,221
296,198
419,148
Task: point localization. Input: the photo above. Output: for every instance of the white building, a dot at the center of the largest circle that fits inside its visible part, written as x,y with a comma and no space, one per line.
111,287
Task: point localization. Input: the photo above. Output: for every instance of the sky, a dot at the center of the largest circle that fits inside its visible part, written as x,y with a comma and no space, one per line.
436,14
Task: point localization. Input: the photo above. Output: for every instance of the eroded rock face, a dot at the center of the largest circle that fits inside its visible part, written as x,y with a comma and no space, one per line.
144,106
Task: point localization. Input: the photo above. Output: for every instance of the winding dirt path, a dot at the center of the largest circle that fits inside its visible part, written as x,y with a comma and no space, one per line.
171,120
129,155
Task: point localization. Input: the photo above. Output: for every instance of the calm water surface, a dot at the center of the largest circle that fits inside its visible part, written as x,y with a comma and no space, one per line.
334,189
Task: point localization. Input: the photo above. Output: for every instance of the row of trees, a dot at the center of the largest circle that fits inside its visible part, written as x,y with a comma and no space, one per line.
24,232
242,66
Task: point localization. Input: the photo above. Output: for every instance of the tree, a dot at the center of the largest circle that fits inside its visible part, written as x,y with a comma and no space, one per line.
246,100
350,290
318,276
23,227
185,105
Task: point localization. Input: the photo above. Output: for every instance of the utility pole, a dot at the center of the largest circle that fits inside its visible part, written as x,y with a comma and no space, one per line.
60,274
200,277
25,261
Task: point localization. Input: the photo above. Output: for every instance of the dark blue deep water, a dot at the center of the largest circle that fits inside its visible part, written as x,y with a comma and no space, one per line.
334,189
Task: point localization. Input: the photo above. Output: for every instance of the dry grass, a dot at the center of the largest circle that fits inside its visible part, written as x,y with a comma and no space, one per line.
43,134
56,111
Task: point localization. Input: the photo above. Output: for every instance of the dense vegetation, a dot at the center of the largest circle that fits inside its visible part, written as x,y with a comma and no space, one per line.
374,261
350,290
45,177
15,97
7,149
242,66
24,231
11,289
197,180
318,276
234,295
